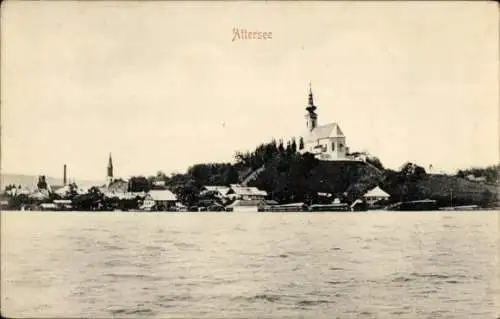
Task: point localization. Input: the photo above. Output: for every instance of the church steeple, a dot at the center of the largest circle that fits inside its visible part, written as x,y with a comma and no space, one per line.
311,116
109,176
311,98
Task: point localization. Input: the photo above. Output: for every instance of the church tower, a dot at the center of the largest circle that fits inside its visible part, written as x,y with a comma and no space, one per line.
109,177
311,116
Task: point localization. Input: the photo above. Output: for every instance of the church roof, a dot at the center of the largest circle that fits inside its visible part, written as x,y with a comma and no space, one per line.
324,131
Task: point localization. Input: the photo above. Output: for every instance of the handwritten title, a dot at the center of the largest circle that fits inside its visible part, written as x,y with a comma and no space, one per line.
244,34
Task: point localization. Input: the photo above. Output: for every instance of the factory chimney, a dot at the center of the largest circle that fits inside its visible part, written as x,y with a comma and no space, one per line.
64,176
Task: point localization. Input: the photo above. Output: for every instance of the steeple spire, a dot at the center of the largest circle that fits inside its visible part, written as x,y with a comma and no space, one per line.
109,176
310,103
311,99
311,115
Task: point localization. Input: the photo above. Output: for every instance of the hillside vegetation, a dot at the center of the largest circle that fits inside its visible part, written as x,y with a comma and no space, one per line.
288,176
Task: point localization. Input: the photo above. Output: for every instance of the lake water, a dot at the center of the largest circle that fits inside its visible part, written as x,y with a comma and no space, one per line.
251,265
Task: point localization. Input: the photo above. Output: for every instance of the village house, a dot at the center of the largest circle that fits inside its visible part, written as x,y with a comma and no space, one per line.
238,192
159,200
241,205
246,199
375,195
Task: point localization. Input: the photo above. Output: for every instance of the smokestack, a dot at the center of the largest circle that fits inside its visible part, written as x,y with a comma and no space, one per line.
64,175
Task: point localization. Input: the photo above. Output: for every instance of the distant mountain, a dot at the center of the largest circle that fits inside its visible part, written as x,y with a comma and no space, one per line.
31,180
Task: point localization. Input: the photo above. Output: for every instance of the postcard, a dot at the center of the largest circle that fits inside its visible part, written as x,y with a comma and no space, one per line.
249,159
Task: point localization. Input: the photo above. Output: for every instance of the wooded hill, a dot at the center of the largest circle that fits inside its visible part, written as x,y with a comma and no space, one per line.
288,176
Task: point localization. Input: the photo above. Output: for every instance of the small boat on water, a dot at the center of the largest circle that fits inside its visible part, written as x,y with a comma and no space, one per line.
461,208
415,205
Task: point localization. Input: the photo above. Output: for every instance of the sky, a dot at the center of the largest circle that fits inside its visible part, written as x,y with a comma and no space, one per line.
162,86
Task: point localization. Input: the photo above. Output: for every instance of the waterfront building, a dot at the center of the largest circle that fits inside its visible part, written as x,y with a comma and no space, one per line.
242,205
239,192
327,142
160,200
375,195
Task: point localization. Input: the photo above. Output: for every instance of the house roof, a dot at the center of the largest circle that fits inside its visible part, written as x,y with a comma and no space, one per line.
39,194
376,192
162,195
246,191
324,131
62,190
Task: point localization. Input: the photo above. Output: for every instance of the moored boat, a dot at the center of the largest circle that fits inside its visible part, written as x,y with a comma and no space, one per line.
465,207
415,205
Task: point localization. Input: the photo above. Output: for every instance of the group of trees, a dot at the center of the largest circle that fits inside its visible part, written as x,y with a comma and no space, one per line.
403,184
214,174
293,177
265,152
490,173
11,187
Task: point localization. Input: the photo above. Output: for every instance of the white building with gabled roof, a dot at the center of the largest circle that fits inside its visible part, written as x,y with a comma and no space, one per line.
245,193
159,200
375,195
326,142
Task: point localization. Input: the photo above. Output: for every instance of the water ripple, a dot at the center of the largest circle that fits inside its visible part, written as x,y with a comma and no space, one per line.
383,265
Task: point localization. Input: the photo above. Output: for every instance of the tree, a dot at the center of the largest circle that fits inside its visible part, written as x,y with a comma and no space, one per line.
375,161
412,170
231,176
16,202
301,143
281,148
486,198
294,145
138,184
187,194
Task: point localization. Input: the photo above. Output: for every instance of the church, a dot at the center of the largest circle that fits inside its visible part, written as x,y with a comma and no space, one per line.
326,142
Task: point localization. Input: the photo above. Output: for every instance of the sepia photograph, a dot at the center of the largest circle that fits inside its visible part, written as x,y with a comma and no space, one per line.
250,159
